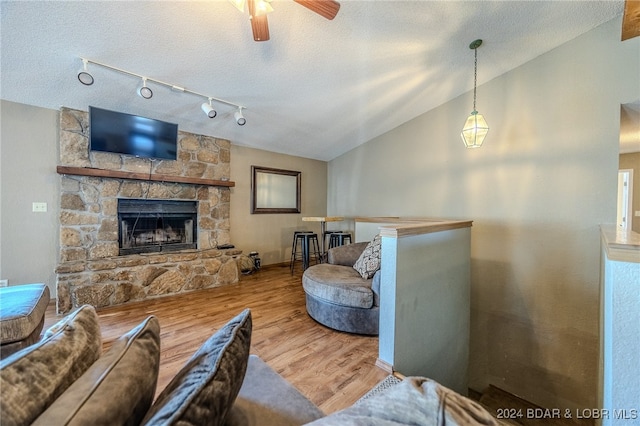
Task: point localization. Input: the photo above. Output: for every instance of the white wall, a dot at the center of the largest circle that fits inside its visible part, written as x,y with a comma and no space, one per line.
29,241
537,191
620,321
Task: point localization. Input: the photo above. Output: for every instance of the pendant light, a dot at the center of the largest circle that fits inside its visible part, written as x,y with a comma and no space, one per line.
475,128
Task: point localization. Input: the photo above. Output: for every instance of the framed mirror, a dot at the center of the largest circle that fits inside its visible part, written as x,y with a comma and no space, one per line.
275,190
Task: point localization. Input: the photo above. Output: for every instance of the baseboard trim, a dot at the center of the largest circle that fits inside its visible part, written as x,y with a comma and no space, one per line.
384,365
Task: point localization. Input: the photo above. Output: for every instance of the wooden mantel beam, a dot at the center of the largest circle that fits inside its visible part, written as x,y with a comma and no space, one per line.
116,174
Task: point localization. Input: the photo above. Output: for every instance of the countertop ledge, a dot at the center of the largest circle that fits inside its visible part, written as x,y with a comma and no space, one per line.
397,227
623,246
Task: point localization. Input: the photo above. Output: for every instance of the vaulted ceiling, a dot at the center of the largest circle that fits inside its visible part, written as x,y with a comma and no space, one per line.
317,89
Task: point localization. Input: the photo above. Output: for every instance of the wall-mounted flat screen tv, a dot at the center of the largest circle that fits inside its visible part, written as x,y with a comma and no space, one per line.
121,133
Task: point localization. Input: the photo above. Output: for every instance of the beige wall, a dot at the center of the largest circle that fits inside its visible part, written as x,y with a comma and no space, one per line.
632,161
537,191
29,241
271,234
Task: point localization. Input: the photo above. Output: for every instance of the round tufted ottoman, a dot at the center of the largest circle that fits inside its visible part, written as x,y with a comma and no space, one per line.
338,297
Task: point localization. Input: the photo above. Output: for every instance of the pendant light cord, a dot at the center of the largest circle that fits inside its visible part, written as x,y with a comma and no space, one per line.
475,76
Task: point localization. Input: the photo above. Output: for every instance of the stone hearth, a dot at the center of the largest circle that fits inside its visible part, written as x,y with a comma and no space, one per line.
90,271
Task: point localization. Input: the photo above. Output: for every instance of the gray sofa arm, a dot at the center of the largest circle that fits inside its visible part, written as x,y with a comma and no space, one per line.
346,255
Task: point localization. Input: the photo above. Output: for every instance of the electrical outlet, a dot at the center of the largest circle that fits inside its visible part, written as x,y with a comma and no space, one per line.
637,212
39,207
4,283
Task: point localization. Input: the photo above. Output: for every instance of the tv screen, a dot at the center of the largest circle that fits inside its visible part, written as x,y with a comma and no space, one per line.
128,134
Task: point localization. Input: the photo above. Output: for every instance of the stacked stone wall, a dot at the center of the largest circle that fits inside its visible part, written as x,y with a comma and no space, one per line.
90,271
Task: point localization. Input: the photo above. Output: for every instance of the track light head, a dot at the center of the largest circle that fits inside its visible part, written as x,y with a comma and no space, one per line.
239,117
208,109
144,91
83,75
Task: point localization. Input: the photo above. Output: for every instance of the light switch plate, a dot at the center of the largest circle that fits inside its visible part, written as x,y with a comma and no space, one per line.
39,207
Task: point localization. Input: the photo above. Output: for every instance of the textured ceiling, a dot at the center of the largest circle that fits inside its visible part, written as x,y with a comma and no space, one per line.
317,89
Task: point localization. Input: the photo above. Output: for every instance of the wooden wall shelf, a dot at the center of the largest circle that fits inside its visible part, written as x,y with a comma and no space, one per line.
116,174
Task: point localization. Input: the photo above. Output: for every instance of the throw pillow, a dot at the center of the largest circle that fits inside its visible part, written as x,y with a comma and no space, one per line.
414,401
203,392
369,261
117,389
32,379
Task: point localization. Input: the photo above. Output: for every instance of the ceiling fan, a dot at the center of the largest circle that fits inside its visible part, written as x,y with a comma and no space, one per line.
258,10
631,19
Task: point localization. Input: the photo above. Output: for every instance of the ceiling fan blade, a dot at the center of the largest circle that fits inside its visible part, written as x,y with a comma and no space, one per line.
631,19
259,23
327,8
260,28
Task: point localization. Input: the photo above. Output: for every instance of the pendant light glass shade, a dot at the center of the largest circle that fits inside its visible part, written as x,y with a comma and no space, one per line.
474,131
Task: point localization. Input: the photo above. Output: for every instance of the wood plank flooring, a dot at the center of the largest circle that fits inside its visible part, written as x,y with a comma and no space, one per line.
331,368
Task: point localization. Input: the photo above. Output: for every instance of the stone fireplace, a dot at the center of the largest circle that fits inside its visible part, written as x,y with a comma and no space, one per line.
112,206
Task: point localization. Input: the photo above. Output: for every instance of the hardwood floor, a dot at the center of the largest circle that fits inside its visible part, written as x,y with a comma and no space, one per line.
331,368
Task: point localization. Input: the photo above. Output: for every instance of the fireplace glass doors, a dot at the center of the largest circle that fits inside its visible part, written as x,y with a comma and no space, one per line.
150,226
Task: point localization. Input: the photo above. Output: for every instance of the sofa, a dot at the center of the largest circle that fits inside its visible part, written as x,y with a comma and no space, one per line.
344,292
64,379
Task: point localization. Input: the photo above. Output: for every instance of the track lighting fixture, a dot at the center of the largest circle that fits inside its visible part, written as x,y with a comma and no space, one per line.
84,76
144,91
239,117
208,109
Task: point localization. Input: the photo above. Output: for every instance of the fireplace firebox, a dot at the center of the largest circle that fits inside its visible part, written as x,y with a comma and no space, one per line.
151,226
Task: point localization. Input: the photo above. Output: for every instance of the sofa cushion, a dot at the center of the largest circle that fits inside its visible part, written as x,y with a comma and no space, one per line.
267,399
22,314
204,390
369,261
31,379
116,389
414,401
339,285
